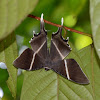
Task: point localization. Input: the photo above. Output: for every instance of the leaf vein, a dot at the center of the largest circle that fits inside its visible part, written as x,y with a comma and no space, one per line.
44,88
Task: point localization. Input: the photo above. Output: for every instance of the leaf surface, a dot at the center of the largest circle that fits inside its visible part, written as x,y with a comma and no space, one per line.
95,23
12,13
8,52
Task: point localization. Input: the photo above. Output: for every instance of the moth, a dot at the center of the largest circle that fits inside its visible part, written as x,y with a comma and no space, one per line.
41,57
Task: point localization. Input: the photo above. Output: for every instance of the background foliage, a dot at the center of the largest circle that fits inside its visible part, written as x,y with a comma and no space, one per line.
42,85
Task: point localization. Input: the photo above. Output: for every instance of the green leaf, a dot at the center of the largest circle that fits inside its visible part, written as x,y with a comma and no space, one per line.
92,68
3,75
47,85
0,99
95,23
12,12
8,53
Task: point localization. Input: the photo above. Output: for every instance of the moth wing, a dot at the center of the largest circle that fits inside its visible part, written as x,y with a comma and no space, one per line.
71,70
39,42
34,59
59,47
28,61
59,67
75,72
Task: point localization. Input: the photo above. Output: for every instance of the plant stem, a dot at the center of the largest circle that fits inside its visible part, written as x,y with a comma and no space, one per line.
57,25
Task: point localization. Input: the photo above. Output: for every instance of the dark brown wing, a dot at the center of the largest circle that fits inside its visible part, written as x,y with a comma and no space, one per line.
59,47
28,61
75,72
24,60
71,70
34,59
39,42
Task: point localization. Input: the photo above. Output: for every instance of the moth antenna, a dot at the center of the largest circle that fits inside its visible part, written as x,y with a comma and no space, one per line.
62,21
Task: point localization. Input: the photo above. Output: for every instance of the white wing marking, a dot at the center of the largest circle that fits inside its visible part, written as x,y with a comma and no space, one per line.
58,51
66,69
35,54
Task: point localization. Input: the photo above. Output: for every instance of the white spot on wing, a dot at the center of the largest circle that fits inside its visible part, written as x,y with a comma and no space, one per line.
66,69
33,33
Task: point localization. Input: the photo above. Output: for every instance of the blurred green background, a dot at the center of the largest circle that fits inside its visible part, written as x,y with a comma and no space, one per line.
76,16
74,12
